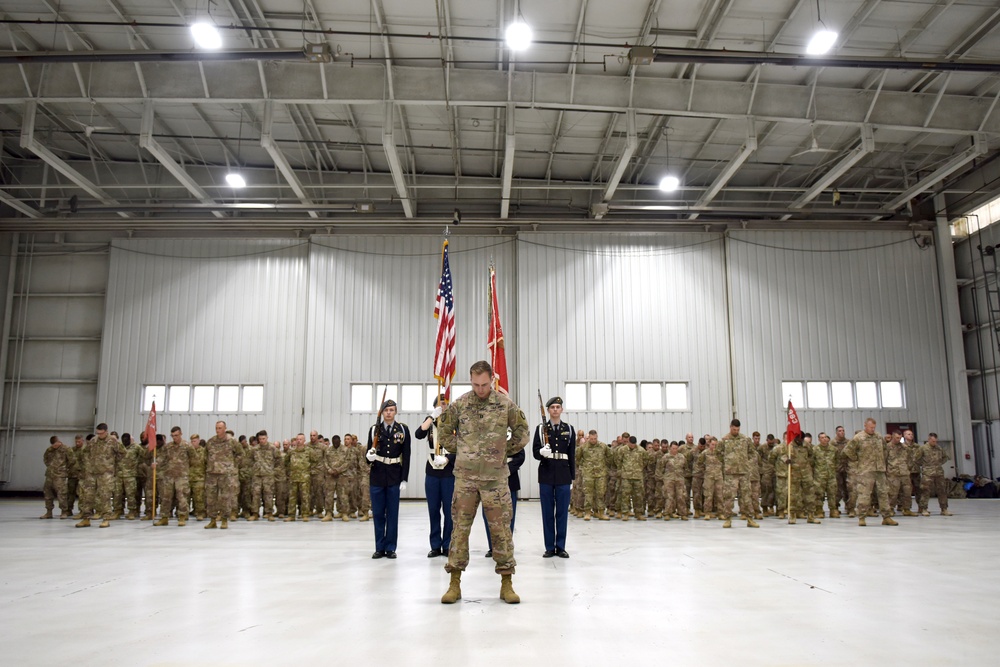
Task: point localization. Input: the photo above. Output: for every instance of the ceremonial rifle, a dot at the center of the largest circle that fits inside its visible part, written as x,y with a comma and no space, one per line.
378,418
545,428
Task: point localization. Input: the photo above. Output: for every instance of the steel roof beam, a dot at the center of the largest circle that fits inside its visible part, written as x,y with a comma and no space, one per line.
631,143
280,161
866,146
977,149
508,164
746,150
392,156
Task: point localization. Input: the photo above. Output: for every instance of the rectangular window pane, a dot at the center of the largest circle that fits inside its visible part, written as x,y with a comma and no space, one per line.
412,398
204,398
179,398
819,397
677,396
843,394
651,396
430,395
892,394
390,391
153,392
361,398
791,391
253,398
600,396
576,396
867,395
459,390
229,398
626,396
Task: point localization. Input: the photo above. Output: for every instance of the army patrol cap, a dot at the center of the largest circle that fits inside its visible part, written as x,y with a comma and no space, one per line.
555,400
388,404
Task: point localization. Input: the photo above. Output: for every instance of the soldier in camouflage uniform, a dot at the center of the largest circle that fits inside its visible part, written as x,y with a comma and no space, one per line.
614,476
932,459
362,481
173,465
767,499
281,480
653,455
698,478
798,461
101,455
780,479
670,469
299,493
146,475
128,474
714,484
317,475
264,458
913,453
57,461
593,457
338,461
843,487
75,472
196,477
736,449
475,428
687,448
222,456
867,450
245,476
632,463
825,476
897,474
754,477
576,493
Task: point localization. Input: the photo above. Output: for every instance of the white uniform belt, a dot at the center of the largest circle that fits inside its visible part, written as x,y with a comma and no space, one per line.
386,459
560,457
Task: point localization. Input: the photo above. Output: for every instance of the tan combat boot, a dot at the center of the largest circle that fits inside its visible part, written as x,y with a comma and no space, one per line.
211,524
47,515
162,522
105,524
666,517
253,517
507,593
908,513
586,516
750,523
345,517
791,519
116,516
454,592
364,517
945,512
78,515
182,520
640,517
225,523
834,514
684,518
813,519
290,517
861,521
889,521
132,516
924,512
728,523
624,517
270,517
328,517
84,523
603,517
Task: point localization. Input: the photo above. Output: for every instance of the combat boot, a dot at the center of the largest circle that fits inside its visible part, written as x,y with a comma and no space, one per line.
834,514
707,517
84,523
945,512
908,513
270,517
211,524
365,517
253,517
507,593
791,520
603,517
697,514
132,516
65,515
889,521
78,515
104,524
684,518
625,517
659,515
162,522
666,517
750,523
345,517
290,518
328,517
813,519
116,516
182,521
758,516
454,592
47,515
871,512
851,514
861,521
924,513
305,518
148,516
728,523
225,523
640,517
586,517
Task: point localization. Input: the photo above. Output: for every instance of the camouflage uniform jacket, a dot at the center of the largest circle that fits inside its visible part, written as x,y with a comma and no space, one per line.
173,460
736,450
299,465
711,462
76,462
778,459
338,461
197,472
897,459
476,430
842,461
932,459
101,456
633,462
766,464
753,456
698,464
280,465
129,466
56,462
825,461
317,454
652,460
913,456
222,455
246,462
867,451
593,459
802,458
672,467
263,460
689,454
361,469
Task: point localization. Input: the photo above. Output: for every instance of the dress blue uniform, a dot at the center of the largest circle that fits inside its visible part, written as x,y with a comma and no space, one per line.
555,476
439,486
390,467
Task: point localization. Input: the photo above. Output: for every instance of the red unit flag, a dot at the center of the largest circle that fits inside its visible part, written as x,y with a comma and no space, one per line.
498,355
151,428
794,428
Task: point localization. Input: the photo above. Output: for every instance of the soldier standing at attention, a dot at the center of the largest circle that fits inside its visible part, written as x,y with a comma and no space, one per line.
388,455
101,455
766,476
672,467
576,495
317,473
556,458
593,456
798,459
280,479
174,465
196,477
439,486
736,449
633,465
867,450
932,459
56,458
913,451
698,478
362,497
338,460
897,473
297,463
75,472
222,455
843,485
714,483
474,428
128,475
264,459
825,468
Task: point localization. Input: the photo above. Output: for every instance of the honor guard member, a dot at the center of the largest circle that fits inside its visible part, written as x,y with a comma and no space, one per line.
555,449
388,457
439,485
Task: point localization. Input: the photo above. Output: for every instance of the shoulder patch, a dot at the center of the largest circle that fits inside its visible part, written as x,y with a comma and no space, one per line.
521,415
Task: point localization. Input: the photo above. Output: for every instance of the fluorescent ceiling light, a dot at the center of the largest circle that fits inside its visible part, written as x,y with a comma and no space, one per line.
669,183
821,42
206,35
518,36
235,180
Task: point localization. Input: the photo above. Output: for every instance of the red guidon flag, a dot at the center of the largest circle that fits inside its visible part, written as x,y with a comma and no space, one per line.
498,355
151,428
794,428
444,312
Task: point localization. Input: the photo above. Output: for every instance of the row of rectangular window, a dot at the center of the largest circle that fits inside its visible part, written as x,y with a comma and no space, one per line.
843,395
217,398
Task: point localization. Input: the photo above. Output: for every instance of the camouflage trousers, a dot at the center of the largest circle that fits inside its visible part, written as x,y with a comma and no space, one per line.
57,488
246,493
826,487
150,500
299,497
338,492
317,494
576,500
594,488
126,495
698,492
632,497
936,485
674,497
174,489
281,496
851,500
97,494
713,494
650,494
755,495
261,494
900,491
781,494
863,488
495,496
843,492
361,498
220,493
74,486
803,499
611,492
688,486
767,491
737,484
198,496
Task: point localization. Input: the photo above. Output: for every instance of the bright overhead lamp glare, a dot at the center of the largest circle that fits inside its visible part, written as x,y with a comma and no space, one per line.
669,183
235,180
518,36
206,35
821,42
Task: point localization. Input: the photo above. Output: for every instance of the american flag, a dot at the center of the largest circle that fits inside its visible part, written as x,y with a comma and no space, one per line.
444,312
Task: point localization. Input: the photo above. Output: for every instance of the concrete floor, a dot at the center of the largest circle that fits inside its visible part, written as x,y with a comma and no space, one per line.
923,593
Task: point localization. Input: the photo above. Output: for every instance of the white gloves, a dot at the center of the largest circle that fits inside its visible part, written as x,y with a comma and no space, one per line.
546,451
402,486
436,412
370,455
441,461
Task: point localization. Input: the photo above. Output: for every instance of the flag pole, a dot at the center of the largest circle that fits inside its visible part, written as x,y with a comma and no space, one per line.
788,502
437,445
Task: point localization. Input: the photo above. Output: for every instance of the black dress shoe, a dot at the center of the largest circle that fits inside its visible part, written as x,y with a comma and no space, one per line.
392,554
444,552
489,554
562,553
378,554
433,553
549,553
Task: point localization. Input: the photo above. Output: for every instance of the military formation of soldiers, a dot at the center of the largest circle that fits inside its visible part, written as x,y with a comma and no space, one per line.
682,479
221,479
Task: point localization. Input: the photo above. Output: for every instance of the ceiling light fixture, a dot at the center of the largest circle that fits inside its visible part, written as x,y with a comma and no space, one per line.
669,183
206,35
823,39
518,33
234,178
